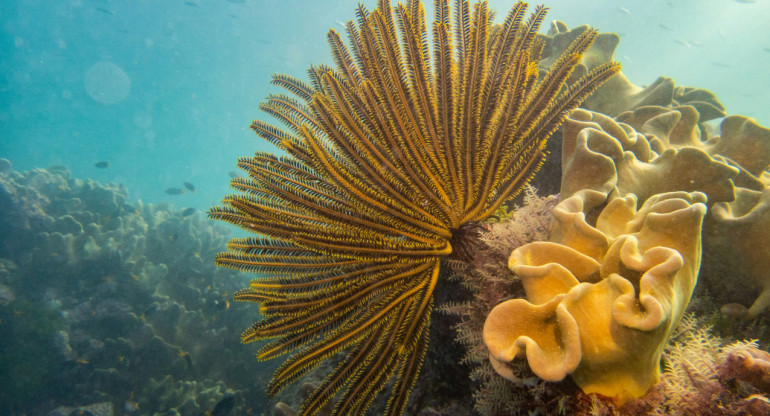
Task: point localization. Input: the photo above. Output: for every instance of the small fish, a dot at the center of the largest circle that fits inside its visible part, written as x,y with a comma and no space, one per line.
664,27
745,1
191,3
130,406
187,212
624,10
722,34
6,295
102,164
224,407
151,309
190,187
105,11
175,191
82,361
766,50
682,42
696,43
341,23
233,174
720,64
187,358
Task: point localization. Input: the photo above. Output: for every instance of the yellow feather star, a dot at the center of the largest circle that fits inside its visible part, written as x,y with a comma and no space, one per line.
388,155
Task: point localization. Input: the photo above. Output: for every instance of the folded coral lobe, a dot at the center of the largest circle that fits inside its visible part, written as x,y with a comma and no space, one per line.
603,319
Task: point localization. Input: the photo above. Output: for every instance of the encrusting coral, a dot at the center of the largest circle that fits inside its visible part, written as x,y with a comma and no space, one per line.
602,301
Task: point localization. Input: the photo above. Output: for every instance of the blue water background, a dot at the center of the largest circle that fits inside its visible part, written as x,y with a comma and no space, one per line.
198,70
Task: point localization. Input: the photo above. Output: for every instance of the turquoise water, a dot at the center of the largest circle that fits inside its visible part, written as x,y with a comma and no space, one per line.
198,69
164,93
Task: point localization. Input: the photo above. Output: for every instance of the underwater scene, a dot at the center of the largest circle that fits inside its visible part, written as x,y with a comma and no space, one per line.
425,207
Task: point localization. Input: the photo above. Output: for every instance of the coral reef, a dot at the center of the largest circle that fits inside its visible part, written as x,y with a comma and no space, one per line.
601,301
656,149
108,294
604,155
619,94
704,375
744,225
96,409
391,160
487,278
662,145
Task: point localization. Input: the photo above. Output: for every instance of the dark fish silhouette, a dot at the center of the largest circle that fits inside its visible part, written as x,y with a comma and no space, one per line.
175,191
190,187
102,165
223,408
105,11
233,174
187,212
151,309
187,359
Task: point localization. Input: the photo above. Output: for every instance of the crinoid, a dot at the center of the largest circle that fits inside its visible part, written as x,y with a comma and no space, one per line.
387,156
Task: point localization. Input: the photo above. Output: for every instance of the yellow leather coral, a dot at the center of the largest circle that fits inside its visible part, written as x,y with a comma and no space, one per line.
612,157
740,229
602,300
745,225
